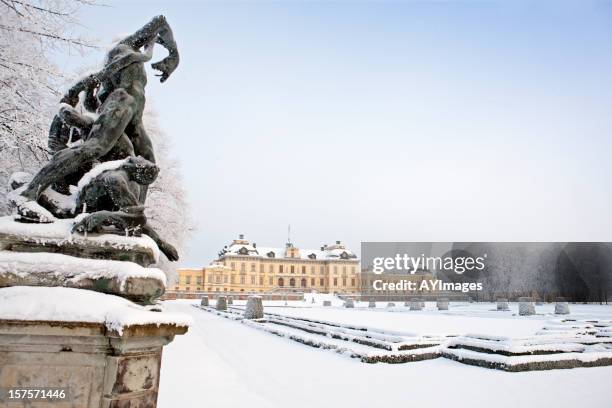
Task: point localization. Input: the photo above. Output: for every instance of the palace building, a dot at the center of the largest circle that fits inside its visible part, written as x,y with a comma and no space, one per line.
244,267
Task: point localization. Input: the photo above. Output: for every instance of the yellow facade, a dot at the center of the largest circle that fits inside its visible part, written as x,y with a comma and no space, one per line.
243,267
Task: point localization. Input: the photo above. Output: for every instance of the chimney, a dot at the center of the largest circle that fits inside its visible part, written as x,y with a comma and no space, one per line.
241,236
322,248
254,244
337,242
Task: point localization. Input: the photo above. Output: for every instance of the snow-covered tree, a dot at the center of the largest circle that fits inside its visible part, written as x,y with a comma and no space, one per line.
167,208
29,82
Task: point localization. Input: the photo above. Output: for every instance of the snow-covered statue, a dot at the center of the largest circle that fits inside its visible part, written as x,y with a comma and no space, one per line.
108,128
88,201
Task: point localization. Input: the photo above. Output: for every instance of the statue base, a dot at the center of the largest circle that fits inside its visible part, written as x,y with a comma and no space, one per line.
106,354
56,237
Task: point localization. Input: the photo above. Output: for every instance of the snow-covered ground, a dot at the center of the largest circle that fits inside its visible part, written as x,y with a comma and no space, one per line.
224,363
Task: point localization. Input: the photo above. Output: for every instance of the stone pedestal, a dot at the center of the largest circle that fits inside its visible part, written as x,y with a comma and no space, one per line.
100,368
349,303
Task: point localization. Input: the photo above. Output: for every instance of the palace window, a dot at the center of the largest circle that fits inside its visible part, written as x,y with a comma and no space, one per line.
352,281
233,266
252,279
292,282
187,280
218,279
322,282
303,269
242,280
224,278
335,281
343,281
303,282
312,269
261,280
271,281
322,270
242,267
352,269
261,268
335,268
271,268
280,268
312,281
210,278
281,282
344,269
292,269
233,279
198,280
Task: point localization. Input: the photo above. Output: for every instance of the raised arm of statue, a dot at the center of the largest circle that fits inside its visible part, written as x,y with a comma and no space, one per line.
157,31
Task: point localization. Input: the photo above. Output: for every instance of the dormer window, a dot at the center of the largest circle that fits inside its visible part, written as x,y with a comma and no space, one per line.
243,251
270,254
344,255
312,256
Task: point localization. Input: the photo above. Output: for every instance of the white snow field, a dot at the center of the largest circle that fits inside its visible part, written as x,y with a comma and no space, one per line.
224,363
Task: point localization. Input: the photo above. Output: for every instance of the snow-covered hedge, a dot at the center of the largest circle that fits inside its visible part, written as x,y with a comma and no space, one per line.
349,303
415,304
502,304
442,304
221,303
561,307
526,306
254,308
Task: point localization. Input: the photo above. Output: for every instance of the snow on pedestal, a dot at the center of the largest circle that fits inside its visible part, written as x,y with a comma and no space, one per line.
327,303
349,303
502,304
442,304
56,237
254,308
221,303
371,304
526,306
204,301
104,349
415,304
561,307
79,305
126,279
390,304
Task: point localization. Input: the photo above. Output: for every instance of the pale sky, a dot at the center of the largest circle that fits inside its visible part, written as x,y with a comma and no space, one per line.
385,121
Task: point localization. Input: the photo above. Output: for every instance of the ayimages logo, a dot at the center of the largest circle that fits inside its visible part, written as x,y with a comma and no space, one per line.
405,263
